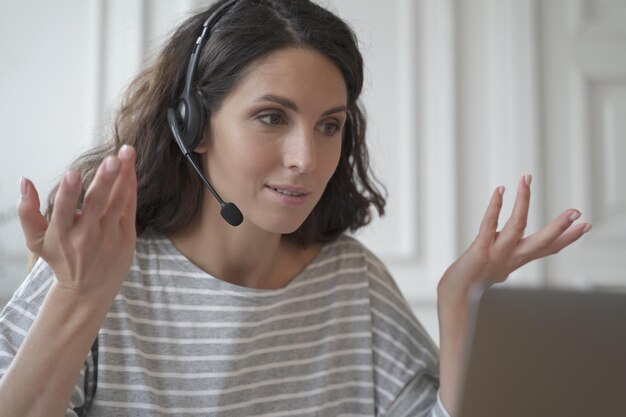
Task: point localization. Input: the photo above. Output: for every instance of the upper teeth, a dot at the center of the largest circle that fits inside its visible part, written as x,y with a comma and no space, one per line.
289,193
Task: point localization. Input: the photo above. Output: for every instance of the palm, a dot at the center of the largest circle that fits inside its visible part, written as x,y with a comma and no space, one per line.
494,254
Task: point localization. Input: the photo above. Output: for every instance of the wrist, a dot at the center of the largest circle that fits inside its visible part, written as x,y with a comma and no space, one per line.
453,304
85,304
451,293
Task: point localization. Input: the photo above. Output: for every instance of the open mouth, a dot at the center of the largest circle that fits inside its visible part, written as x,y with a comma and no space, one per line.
291,196
287,192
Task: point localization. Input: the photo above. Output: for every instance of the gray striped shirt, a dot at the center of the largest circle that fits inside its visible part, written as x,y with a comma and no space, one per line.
339,339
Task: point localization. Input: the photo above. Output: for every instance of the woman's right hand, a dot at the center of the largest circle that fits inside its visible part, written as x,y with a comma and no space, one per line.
90,250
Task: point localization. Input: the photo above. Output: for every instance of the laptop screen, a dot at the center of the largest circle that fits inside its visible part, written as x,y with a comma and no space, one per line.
546,353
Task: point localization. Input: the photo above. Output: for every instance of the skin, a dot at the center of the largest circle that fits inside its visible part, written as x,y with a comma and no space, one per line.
251,143
40,381
281,125
491,257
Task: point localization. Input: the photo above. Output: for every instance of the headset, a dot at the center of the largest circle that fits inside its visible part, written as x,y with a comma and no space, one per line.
188,119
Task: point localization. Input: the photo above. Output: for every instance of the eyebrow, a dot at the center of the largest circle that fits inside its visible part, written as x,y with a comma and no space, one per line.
291,105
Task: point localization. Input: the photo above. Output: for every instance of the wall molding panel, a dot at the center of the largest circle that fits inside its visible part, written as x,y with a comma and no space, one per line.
461,97
586,123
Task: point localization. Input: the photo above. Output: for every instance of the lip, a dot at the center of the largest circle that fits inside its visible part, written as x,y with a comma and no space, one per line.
289,200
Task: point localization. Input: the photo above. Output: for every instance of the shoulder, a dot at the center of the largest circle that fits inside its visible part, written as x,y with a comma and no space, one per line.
393,320
402,349
36,285
152,241
347,253
20,312
347,248
155,251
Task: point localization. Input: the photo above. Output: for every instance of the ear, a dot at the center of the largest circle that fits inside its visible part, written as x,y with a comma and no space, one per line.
203,145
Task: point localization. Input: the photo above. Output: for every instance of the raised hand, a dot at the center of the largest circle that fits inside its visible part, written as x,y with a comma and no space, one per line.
90,250
493,255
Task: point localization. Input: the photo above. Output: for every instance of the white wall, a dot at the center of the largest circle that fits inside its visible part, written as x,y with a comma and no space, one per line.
462,95
44,111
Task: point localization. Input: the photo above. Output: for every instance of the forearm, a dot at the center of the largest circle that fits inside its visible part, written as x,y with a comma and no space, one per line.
452,309
41,377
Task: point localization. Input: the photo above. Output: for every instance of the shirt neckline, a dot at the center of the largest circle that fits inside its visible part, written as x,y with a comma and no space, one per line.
227,287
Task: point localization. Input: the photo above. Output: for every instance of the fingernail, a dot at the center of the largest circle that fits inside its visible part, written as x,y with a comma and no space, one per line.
587,228
23,187
125,152
574,215
501,189
72,178
112,164
528,179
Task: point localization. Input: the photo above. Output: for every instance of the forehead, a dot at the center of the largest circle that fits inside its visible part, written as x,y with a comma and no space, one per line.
302,75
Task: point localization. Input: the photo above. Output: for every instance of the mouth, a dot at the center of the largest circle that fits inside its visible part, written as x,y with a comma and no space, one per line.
287,192
289,195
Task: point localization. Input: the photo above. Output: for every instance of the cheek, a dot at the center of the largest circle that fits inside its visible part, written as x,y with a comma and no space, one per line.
330,160
252,161
234,150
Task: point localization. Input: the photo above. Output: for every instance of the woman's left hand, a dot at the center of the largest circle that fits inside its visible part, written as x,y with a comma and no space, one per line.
493,255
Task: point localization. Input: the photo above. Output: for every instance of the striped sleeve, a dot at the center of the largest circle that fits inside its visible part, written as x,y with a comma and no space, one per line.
406,358
418,398
18,316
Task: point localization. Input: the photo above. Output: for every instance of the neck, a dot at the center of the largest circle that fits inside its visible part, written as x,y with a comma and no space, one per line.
242,255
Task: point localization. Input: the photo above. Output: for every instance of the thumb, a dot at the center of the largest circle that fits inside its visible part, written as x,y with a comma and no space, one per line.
34,224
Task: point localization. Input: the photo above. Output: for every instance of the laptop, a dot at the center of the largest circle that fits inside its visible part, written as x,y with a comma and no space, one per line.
540,353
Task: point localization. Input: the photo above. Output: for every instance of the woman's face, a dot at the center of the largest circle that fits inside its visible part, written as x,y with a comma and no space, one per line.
276,140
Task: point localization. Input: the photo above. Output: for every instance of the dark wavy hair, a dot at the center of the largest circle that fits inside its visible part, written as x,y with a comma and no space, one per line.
169,193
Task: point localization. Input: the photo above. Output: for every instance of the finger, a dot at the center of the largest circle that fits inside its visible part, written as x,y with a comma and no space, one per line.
34,224
541,243
570,236
129,213
119,193
97,196
65,202
488,227
514,228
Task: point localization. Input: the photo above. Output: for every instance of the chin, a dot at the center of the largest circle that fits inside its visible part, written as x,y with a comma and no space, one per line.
285,229
282,225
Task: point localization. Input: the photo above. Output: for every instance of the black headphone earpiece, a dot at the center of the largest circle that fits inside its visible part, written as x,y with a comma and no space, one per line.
190,109
192,115
187,120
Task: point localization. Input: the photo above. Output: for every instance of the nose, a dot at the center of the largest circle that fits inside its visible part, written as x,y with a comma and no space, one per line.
300,151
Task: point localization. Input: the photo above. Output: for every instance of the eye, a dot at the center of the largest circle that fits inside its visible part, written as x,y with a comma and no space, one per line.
271,118
330,128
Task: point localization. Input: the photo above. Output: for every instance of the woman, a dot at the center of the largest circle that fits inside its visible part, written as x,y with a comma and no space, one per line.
280,315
